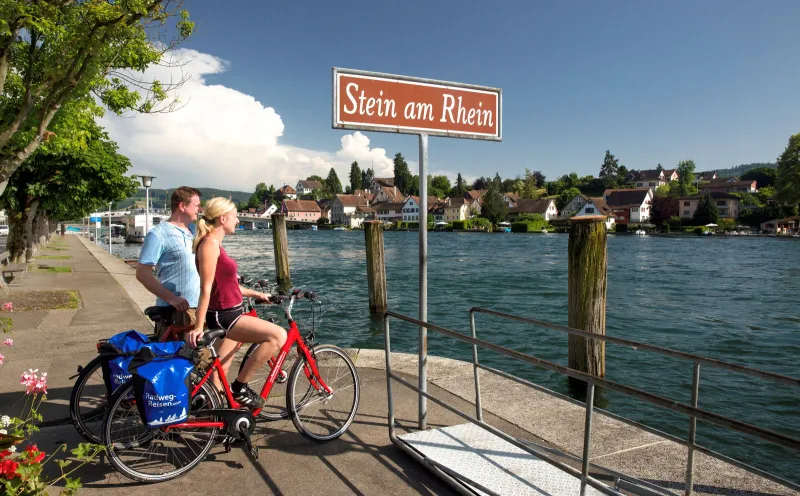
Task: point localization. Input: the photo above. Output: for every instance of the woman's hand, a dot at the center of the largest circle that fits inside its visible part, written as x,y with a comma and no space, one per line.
192,336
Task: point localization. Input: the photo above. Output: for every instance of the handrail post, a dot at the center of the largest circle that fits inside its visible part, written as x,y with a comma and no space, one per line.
423,279
692,431
386,343
478,407
587,437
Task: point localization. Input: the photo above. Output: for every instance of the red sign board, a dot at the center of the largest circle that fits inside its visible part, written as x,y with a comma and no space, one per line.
401,104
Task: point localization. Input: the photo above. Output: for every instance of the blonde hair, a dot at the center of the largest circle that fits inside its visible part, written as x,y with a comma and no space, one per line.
214,209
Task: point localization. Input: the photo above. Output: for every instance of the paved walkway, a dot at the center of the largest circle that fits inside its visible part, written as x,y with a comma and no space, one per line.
363,461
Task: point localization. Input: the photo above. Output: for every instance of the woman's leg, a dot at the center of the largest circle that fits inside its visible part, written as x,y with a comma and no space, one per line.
253,330
226,350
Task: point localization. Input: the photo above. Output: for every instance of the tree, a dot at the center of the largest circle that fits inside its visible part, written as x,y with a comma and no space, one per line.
610,167
413,185
566,196
55,184
260,194
439,186
332,183
659,167
494,208
481,183
686,178
402,176
662,191
366,178
498,181
663,209
787,182
460,187
316,178
764,176
56,52
706,212
355,177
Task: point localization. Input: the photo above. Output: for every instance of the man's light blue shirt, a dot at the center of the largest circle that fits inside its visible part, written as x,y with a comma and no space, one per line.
169,248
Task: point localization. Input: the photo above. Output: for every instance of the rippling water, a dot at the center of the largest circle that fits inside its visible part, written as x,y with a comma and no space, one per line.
735,299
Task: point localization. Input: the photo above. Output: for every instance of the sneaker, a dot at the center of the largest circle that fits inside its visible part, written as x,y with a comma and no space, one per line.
249,398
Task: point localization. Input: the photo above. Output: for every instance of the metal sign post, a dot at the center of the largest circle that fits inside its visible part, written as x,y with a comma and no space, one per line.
390,103
109,228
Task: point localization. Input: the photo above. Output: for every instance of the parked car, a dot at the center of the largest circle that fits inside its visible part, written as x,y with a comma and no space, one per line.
3,230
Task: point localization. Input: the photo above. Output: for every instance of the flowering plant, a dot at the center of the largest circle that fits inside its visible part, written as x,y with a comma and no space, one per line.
21,471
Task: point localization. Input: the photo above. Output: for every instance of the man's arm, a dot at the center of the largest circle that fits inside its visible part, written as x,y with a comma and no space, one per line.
144,274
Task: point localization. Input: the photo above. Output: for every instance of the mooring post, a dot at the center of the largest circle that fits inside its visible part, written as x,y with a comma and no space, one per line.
281,245
376,268
587,268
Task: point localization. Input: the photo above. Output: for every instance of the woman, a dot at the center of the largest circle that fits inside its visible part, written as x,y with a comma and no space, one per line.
220,304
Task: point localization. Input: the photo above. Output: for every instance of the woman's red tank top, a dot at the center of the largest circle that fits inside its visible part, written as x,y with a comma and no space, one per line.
225,291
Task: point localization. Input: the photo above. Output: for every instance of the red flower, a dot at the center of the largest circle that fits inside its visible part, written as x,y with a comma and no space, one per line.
4,454
8,468
33,454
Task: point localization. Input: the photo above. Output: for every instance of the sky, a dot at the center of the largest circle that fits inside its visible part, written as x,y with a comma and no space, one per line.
654,82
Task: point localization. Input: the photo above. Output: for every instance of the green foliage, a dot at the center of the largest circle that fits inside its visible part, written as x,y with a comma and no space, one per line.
530,218
685,171
566,196
460,225
332,183
366,178
610,167
706,212
480,223
261,194
740,170
532,225
439,186
764,176
663,209
662,191
788,180
494,208
58,53
402,176
726,223
699,230
356,177
460,187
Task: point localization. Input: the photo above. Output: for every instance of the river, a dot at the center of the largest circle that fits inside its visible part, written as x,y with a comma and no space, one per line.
730,298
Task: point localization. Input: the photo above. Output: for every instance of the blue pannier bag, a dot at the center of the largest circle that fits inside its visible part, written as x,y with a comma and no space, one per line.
161,382
116,354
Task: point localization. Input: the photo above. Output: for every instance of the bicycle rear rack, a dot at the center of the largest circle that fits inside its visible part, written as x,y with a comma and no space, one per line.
535,467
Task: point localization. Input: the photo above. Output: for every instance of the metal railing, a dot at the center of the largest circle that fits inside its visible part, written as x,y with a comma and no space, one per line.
691,410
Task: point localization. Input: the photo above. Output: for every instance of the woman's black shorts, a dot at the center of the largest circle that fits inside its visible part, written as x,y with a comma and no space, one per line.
224,319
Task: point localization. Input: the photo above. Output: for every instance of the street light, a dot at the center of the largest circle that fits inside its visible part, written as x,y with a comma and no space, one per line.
147,181
109,228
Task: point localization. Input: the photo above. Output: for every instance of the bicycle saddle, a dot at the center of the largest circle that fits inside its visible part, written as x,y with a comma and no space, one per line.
157,313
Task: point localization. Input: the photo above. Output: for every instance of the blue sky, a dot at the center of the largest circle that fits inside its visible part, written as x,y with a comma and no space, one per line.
715,81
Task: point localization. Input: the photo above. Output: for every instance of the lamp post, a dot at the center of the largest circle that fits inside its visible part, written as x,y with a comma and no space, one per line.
147,181
109,228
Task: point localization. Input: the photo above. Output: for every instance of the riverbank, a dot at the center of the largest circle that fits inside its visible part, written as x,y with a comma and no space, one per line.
536,414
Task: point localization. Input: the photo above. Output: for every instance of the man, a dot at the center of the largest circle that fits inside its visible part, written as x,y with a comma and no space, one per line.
168,247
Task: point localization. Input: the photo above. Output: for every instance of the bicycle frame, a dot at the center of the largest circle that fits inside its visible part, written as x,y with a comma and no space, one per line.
293,338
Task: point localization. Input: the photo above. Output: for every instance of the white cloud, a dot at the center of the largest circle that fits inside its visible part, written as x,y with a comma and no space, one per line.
224,138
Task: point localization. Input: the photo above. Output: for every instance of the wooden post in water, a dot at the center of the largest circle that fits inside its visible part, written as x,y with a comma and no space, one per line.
281,246
587,267
376,267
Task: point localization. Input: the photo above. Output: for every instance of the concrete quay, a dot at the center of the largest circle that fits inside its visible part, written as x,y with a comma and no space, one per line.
363,460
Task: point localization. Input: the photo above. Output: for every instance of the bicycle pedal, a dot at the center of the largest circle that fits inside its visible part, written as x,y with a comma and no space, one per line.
281,377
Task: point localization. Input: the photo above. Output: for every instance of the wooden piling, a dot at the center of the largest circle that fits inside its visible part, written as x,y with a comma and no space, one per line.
281,246
376,267
587,267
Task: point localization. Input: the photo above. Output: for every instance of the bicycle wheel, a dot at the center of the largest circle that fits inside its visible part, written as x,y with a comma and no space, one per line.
317,415
88,400
152,455
275,407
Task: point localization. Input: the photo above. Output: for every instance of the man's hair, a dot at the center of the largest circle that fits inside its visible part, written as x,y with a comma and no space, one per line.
183,195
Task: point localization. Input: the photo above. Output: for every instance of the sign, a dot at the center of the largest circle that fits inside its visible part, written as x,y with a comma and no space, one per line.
94,219
401,104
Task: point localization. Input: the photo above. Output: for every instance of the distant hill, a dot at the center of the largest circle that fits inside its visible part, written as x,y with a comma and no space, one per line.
741,169
159,198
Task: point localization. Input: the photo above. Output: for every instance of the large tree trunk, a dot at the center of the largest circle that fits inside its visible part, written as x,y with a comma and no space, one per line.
30,237
41,231
16,235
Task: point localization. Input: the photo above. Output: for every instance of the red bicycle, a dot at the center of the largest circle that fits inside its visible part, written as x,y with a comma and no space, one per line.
322,400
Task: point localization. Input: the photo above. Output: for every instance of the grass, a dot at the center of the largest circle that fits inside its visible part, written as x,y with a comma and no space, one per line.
55,248
55,257
45,300
49,268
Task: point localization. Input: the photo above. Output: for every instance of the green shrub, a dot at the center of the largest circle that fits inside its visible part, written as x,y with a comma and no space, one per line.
621,228
412,225
519,227
530,218
460,225
675,221
666,228
480,222
699,230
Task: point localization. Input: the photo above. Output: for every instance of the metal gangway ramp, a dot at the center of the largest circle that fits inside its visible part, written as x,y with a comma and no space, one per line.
476,458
